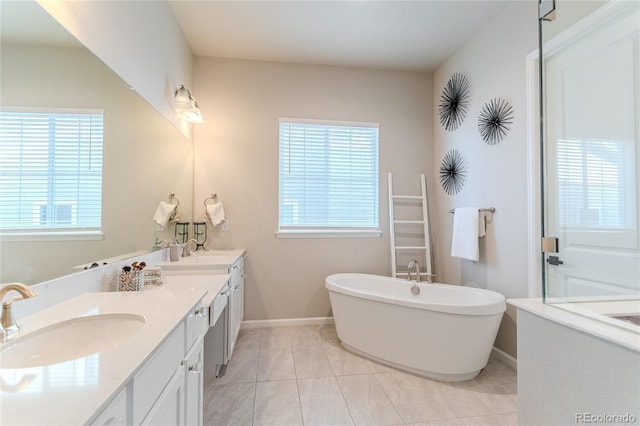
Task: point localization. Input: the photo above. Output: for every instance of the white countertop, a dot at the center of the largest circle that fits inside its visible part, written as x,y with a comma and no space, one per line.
75,391
205,261
71,393
596,327
212,283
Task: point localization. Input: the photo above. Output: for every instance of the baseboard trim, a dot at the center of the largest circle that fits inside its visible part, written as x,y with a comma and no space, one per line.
505,358
289,322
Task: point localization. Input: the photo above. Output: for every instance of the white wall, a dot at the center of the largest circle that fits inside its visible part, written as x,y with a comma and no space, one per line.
494,63
140,40
236,156
145,157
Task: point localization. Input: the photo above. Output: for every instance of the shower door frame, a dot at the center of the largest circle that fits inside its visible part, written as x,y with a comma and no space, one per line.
536,148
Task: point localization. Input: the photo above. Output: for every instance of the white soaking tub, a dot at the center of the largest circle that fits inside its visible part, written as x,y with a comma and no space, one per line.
445,332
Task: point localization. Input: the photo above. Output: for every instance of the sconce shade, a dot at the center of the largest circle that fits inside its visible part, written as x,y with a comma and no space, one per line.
186,106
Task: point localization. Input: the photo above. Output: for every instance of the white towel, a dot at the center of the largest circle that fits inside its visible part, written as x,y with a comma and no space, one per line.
163,214
216,213
468,225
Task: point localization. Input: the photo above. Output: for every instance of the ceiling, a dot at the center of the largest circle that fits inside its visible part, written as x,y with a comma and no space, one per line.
392,34
26,22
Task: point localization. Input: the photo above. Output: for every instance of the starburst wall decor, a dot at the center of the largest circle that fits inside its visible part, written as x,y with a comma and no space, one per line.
454,102
494,121
452,172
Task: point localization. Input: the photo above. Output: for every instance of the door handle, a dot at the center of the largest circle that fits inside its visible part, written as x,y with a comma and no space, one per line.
554,260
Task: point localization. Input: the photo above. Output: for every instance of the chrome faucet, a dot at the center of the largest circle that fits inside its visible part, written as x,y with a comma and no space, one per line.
187,250
415,289
7,321
417,266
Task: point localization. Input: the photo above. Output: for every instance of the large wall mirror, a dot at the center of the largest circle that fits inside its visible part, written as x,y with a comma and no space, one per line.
145,158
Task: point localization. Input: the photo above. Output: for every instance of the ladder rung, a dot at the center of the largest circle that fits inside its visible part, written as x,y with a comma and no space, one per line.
408,197
409,221
411,248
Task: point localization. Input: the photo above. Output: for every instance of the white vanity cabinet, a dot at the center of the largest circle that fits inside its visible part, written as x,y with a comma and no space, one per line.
236,304
116,412
168,388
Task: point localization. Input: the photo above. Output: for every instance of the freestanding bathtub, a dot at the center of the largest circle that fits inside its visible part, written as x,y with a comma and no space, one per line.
445,332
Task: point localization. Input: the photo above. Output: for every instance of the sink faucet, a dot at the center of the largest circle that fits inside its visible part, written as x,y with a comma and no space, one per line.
187,250
417,266
8,323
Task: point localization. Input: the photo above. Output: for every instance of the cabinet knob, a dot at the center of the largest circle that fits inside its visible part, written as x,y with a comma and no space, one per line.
200,312
115,420
195,368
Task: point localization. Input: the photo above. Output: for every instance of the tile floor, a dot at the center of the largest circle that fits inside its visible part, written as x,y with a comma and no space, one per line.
302,376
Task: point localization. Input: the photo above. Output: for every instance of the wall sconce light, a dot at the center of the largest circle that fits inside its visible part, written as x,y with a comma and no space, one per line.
186,106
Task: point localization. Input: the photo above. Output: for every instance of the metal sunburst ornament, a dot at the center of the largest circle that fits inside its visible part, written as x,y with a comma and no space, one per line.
454,102
494,121
452,172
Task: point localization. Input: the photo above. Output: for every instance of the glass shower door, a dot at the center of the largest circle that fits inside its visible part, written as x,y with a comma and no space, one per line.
590,67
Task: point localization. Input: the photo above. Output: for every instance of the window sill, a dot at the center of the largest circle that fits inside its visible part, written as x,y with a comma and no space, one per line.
328,234
51,236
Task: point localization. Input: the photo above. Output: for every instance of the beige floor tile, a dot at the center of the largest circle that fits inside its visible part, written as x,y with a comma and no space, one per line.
274,337
367,402
249,334
322,402
311,362
305,336
335,387
230,404
418,399
277,403
495,420
242,367
276,363
344,362
328,334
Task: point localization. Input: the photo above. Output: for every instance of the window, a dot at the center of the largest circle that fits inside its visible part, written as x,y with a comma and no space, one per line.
328,180
597,184
51,173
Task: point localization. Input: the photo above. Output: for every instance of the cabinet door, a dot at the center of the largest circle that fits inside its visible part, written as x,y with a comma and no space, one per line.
168,409
194,385
115,413
236,302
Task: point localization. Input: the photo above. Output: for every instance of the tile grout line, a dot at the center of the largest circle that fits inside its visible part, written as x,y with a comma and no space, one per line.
375,377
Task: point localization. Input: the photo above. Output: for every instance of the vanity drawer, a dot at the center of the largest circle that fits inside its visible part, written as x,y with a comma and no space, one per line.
152,378
197,324
218,305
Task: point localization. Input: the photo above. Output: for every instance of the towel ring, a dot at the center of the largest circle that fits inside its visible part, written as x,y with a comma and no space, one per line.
172,196
214,198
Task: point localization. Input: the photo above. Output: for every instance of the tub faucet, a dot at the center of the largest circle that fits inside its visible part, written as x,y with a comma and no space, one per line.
7,321
417,266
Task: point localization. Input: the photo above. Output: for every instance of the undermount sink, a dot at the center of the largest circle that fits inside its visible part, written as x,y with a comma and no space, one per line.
69,340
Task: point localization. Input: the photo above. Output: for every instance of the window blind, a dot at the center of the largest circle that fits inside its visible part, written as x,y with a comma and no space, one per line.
596,184
50,172
328,177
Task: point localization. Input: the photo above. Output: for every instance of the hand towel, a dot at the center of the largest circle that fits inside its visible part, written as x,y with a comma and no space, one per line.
163,214
216,213
468,225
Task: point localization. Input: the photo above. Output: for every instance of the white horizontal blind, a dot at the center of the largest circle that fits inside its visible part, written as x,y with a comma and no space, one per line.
597,186
328,176
50,172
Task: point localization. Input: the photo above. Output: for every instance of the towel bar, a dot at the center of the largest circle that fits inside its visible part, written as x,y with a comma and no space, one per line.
487,209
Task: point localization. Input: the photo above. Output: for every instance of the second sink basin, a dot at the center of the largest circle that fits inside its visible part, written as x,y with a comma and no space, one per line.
69,340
